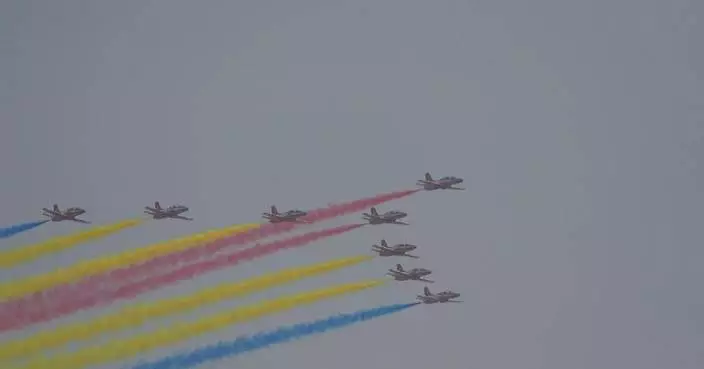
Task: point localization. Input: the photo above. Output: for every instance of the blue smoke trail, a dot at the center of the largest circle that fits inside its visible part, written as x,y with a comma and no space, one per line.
258,341
15,229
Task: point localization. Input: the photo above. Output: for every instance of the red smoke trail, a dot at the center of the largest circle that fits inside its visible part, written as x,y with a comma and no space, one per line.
70,304
162,263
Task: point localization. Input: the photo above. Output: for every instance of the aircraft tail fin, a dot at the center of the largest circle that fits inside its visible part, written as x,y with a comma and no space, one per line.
56,208
399,267
426,291
383,243
157,205
274,211
428,177
374,212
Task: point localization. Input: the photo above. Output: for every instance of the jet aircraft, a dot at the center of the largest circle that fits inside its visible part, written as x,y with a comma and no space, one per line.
415,274
289,216
444,183
430,298
57,215
401,249
173,211
390,217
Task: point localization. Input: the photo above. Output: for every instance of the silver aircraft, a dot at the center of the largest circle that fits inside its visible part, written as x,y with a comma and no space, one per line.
430,298
390,217
415,274
400,249
288,216
444,183
173,211
57,215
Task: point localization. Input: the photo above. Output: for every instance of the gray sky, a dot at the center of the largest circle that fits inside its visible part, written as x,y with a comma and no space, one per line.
578,126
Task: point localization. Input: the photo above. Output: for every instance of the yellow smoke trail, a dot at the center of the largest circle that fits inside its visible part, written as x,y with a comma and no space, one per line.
122,349
136,315
90,267
23,254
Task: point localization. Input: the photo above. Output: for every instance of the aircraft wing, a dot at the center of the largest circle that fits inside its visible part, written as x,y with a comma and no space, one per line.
426,280
152,209
456,188
401,223
51,212
81,221
412,256
181,217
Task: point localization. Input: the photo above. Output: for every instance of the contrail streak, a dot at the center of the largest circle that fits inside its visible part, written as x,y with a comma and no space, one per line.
245,344
23,254
265,230
72,303
123,349
37,289
18,228
136,315
141,267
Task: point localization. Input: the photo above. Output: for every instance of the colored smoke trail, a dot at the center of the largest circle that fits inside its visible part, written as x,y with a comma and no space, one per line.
27,253
158,264
135,315
123,349
58,281
136,268
70,304
19,228
259,341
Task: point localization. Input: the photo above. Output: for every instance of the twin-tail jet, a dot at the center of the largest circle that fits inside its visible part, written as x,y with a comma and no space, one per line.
57,215
444,183
173,211
415,274
289,216
430,298
400,249
390,217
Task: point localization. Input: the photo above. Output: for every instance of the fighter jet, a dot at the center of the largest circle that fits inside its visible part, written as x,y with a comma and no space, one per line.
173,211
431,298
289,216
400,249
415,274
390,217
444,183
57,215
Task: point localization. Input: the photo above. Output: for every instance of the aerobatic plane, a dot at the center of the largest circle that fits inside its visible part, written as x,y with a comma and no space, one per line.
390,217
57,215
400,249
415,274
444,183
173,211
430,298
288,216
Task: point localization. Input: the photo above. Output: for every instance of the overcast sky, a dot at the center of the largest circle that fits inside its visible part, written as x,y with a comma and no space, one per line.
577,125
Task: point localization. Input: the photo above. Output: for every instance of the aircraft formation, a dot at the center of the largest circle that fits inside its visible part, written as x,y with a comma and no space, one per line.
274,216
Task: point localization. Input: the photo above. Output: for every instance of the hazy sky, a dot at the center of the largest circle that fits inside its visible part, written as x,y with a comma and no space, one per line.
578,126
